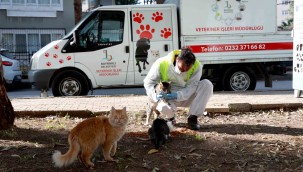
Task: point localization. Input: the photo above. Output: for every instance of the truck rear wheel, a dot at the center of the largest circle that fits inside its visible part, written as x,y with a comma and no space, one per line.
70,83
239,79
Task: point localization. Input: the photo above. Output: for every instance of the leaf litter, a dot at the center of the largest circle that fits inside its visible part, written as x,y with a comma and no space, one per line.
254,141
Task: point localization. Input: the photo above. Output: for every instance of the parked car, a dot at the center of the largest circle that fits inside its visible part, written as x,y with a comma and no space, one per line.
11,68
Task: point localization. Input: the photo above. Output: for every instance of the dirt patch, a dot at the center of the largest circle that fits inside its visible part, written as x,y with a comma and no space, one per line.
255,141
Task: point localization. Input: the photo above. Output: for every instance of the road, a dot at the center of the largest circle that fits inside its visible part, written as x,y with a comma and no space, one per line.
29,92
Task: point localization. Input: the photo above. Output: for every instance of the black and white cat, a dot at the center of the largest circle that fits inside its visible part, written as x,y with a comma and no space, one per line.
159,132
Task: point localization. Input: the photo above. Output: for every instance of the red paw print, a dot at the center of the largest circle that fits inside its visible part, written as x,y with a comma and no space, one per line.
56,47
165,33
68,58
145,31
48,64
138,17
55,56
46,54
61,61
157,16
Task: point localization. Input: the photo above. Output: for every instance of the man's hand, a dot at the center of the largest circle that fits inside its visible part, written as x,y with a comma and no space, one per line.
172,96
161,95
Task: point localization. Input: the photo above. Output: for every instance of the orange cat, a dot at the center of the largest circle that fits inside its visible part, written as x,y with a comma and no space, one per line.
85,138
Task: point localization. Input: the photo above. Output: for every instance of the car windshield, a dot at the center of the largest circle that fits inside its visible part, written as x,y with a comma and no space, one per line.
6,53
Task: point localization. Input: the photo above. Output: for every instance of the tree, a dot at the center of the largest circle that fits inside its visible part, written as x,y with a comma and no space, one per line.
159,1
7,115
78,10
287,25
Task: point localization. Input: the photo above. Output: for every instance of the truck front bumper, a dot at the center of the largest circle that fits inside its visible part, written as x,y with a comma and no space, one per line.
40,78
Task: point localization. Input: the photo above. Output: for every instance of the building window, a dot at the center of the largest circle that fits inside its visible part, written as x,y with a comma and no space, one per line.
285,2
20,43
43,2
33,43
7,41
18,1
28,40
56,2
31,1
285,12
5,1
45,39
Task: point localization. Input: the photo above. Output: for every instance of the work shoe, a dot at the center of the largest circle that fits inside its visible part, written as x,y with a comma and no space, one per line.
192,122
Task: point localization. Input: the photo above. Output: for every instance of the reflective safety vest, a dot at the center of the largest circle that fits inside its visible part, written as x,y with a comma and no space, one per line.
165,63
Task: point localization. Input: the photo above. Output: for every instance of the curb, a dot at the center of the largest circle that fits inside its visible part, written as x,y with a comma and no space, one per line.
43,114
232,107
246,107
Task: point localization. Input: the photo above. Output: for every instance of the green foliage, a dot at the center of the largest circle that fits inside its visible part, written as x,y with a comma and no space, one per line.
287,25
198,137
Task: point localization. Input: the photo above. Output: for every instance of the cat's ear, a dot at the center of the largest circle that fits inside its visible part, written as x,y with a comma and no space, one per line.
112,108
124,109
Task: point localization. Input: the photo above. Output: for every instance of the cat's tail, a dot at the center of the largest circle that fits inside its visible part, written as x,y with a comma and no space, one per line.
70,156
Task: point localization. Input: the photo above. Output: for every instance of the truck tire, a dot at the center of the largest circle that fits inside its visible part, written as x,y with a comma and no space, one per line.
70,83
239,79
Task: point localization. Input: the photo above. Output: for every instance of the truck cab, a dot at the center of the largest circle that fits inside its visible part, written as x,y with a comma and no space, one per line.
111,46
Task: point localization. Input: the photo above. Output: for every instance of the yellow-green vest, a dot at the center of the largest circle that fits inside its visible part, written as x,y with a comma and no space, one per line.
164,65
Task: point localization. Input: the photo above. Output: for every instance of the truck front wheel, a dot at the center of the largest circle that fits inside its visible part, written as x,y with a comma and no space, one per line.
70,83
239,79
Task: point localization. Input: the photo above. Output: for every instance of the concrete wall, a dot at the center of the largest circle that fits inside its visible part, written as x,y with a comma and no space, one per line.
65,20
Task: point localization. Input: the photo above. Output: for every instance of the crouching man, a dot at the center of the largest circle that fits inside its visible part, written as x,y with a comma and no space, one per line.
184,71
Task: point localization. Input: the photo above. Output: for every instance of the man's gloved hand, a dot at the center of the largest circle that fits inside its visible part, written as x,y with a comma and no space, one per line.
172,96
161,95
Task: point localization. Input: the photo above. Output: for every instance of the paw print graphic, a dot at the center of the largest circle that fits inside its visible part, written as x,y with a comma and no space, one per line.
61,61
56,47
48,64
157,16
138,17
165,33
46,54
145,31
55,56
68,58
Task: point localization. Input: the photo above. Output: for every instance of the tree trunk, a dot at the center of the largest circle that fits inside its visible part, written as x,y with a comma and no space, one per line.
159,1
7,115
78,10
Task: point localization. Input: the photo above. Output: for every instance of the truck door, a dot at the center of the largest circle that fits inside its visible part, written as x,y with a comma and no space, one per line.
152,37
102,48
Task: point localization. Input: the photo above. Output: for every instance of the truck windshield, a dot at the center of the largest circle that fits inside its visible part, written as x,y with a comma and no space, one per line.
69,34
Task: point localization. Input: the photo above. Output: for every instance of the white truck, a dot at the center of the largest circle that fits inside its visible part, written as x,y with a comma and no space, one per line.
298,49
116,45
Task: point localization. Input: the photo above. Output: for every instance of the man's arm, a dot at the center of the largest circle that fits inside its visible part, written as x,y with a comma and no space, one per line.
153,77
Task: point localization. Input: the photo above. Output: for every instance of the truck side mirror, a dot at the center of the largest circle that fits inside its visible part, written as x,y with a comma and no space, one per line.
75,38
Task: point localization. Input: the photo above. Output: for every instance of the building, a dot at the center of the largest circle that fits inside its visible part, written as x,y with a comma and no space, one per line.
28,25
88,5
283,11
